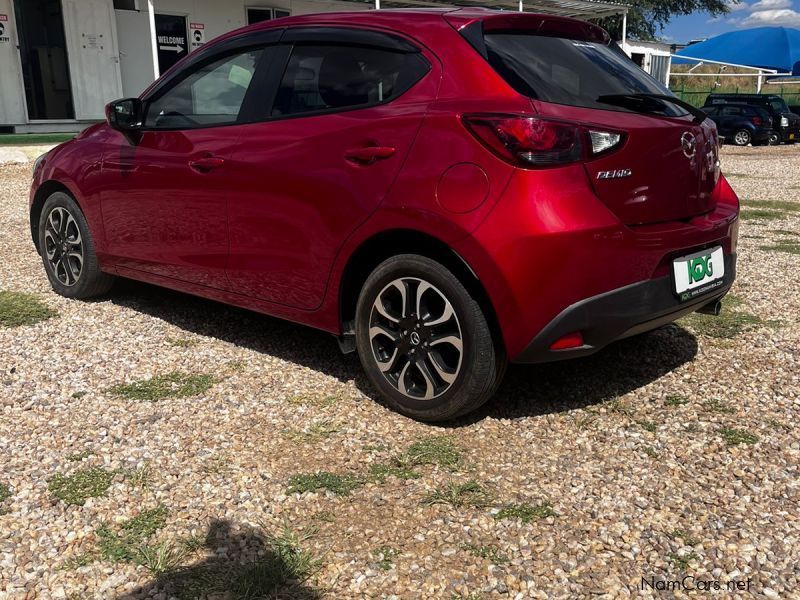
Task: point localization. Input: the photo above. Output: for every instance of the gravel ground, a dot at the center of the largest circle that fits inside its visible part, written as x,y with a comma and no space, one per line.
669,454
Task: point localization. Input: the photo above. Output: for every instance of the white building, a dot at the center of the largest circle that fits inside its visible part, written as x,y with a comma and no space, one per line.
653,57
62,60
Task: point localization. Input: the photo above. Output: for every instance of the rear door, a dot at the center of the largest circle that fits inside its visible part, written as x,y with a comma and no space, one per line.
667,158
347,107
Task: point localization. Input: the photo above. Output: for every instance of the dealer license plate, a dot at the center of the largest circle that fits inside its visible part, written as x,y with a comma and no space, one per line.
699,273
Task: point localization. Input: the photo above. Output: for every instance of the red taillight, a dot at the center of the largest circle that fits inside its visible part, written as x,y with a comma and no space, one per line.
565,342
535,142
756,121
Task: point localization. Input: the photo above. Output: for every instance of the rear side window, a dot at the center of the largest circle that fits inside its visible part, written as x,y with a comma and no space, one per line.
566,71
337,77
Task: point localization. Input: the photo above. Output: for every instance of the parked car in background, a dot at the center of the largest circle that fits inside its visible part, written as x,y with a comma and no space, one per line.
742,124
785,123
443,190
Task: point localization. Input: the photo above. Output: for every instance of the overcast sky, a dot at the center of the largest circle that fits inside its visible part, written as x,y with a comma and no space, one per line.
751,13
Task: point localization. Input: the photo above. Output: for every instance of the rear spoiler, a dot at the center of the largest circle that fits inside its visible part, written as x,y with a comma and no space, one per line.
473,23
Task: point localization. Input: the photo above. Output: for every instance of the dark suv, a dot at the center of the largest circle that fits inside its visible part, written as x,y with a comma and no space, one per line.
785,123
742,124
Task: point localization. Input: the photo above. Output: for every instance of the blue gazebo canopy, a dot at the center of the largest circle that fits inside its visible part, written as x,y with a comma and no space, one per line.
762,47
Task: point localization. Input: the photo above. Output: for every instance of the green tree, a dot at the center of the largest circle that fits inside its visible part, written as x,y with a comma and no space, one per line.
646,18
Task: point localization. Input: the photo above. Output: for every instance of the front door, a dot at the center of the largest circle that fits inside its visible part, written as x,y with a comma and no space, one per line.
171,40
43,52
343,120
164,204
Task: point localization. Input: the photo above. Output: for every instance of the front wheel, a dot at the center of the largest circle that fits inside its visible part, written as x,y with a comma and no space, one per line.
742,137
67,250
774,139
424,341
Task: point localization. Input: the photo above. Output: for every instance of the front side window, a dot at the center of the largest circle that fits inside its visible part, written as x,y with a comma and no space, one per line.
328,77
211,95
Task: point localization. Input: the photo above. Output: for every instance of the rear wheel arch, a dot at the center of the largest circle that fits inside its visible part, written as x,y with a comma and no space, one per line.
377,248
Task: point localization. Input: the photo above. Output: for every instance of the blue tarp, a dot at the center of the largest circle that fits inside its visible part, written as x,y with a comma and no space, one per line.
766,47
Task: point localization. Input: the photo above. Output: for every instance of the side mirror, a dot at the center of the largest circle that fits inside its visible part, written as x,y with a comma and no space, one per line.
125,115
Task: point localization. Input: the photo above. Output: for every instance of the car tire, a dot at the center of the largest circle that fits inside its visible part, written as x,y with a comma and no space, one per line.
67,249
774,139
742,137
433,366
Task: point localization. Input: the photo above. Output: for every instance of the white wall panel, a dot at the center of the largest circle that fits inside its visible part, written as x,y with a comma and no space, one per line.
90,27
12,92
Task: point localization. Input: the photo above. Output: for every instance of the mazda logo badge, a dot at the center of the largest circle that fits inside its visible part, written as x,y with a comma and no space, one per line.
689,144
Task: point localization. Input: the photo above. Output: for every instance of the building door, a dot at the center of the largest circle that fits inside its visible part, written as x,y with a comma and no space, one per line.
171,40
43,53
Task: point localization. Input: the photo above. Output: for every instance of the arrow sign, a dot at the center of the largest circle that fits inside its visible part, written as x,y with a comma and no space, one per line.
171,48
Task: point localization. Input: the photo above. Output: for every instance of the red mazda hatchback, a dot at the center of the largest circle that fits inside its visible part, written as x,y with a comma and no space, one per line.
444,190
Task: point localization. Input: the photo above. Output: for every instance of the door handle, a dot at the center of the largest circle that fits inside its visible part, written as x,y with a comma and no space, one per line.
369,154
205,164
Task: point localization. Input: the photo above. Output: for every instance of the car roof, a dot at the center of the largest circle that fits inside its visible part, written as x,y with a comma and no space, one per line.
413,21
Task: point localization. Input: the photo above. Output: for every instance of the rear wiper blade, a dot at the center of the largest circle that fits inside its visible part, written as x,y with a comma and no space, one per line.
623,99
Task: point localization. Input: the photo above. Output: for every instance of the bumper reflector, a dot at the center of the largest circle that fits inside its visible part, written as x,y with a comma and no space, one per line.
571,340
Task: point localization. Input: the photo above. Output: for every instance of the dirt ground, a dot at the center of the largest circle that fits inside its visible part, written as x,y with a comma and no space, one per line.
157,445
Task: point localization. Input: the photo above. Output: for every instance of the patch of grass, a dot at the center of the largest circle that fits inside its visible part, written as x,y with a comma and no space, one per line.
84,559
650,451
18,309
5,494
778,425
584,419
680,534
460,495
316,401
384,557
324,516
726,325
718,406
621,407
757,214
682,562
772,204
692,428
676,400
314,432
789,247
124,543
78,395
439,451
79,456
139,477
525,512
648,426
216,465
490,553
380,471
737,436
81,485
162,558
31,139
160,387
181,342
341,485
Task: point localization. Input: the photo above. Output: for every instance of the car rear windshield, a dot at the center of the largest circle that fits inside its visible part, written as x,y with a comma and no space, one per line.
567,71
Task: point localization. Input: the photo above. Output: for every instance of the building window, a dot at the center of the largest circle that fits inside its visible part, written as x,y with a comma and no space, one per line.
256,15
125,5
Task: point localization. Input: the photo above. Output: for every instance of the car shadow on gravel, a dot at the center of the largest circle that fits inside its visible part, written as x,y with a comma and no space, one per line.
532,390
245,564
527,390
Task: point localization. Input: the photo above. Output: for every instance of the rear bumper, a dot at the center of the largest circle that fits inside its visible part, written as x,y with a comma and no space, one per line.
618,314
